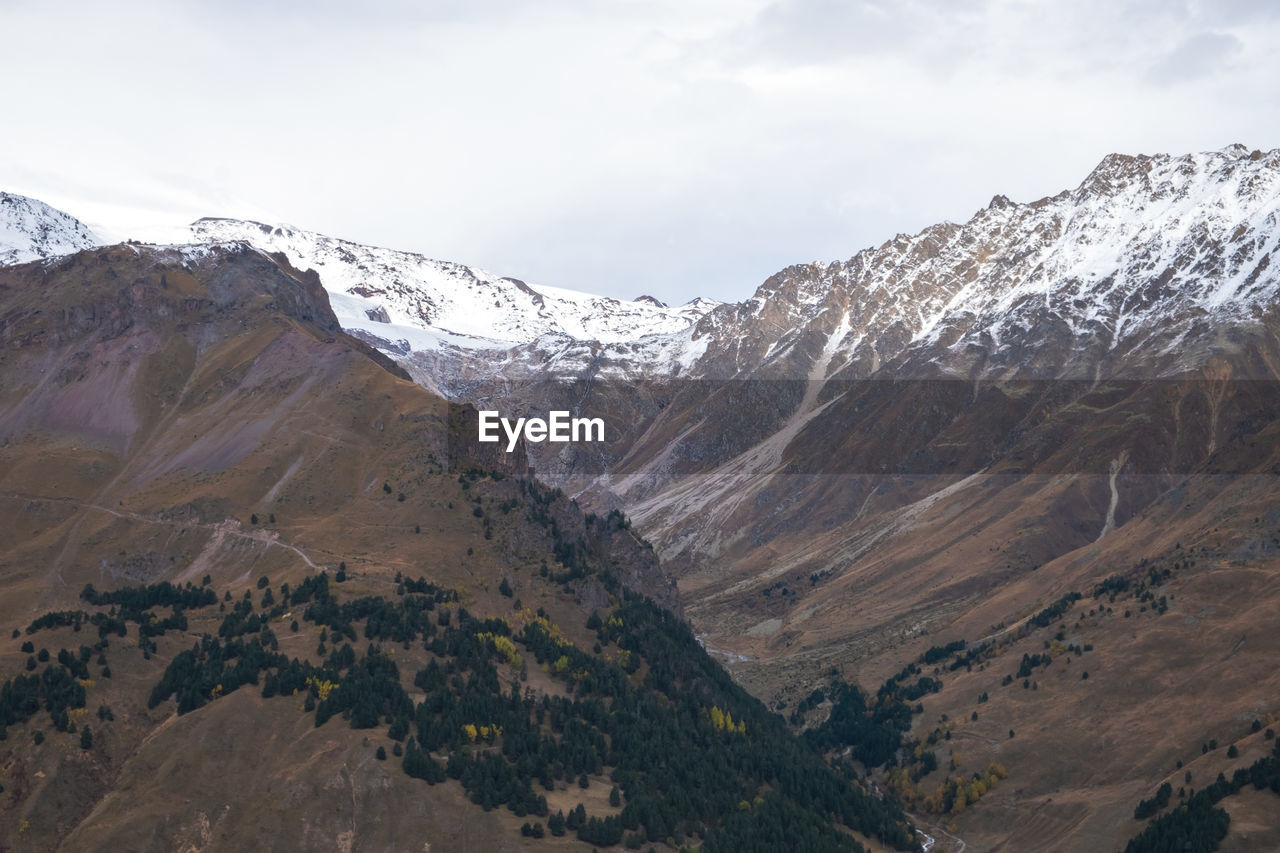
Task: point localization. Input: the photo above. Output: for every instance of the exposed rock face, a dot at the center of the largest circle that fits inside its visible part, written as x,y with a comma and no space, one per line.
195,415
100,346
937,437
1155,267
930,441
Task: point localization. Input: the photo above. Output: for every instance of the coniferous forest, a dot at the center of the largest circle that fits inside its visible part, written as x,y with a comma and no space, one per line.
692,757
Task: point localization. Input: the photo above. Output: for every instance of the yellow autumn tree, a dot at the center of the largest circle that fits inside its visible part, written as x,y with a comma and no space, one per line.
717,718
504,647
322,686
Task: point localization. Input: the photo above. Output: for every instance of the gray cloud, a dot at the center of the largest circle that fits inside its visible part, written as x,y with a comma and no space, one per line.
1237,11
1199,56
658,146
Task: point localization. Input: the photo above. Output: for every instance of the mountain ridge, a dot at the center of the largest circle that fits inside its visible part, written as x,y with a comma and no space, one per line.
415,289
293,558
963,287
1047,434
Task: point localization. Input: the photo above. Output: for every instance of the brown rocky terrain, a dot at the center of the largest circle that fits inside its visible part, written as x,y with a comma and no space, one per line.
197,416
940,437
1049,432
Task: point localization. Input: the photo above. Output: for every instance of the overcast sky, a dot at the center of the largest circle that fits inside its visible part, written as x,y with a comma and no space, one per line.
681,148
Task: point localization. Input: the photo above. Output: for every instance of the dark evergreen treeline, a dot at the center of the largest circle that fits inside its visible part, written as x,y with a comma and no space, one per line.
1111,587
212,668
1198,825
243,620
1055,611
1194,827
1147,808
401,623
1030,661
368,693
691,753
691,756
777,825
136,603
1140,586
971,656
872,729
57,688
674,765
134,599
106,623
58,619
940,653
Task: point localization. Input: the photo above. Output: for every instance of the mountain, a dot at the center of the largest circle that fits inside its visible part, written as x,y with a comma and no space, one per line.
944,439
253,572
987,510
1153,268
31,229
409,304
1098,269
1099,278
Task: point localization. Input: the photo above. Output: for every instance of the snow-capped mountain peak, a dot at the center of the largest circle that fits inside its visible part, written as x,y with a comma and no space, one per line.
398,295
31,230
1147,253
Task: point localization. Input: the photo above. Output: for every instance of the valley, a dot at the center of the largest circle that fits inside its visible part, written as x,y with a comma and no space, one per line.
985,513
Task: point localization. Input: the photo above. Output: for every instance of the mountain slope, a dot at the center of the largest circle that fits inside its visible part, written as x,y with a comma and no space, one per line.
1087,276
309,594
1143,246
31,229
964,426
943,436
1019,472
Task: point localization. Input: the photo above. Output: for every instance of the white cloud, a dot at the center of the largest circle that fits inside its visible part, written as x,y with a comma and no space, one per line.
1199,56
641,146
